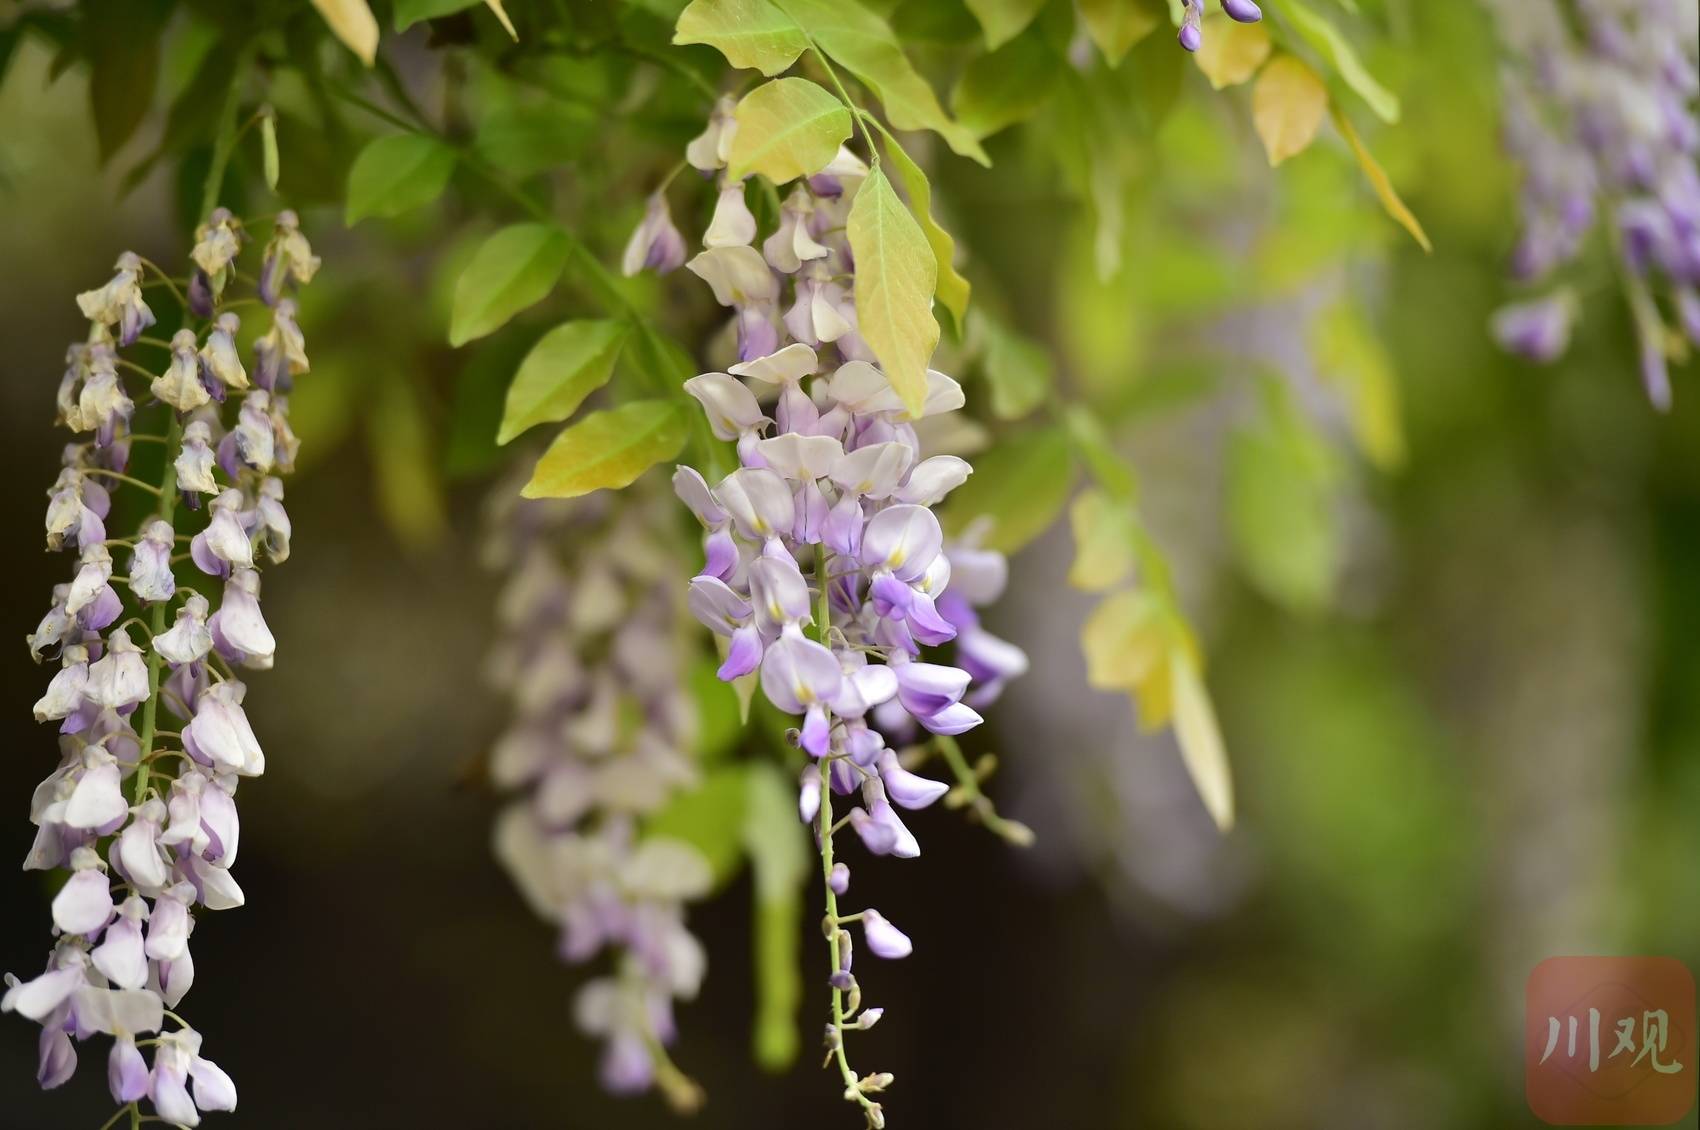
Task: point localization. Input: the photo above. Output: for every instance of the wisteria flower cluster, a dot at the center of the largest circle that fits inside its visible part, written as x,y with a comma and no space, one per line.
144,817
593,639
1192,19
827,574
1599,110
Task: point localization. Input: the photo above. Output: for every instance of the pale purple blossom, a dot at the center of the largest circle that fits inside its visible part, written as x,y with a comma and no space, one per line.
153,738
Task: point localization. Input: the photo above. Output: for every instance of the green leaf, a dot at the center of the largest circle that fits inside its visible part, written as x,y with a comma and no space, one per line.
1021,485
1353,361
1280,507
895,276
525,140
1006,86
750,33
122,43
1018,368
1326,38
719,719
397,174
409,12
1201,739
865,44
1117,25
570,362
952,289
404,464
787,128
513,269
1379,180
609,449
779,856
710,818
1003,20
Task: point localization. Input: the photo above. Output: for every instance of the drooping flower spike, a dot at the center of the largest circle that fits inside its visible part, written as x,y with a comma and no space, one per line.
591,644
827,575
1600,113
144,816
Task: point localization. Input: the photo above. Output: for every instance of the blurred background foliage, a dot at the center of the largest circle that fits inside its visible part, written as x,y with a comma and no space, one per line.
1447,597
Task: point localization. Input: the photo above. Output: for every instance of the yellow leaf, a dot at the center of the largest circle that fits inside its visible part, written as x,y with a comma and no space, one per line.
1125,641
895,276
787,128
352,22
1103,542
502,14
1287,106
609,450
1378,181
1201,739
1232,52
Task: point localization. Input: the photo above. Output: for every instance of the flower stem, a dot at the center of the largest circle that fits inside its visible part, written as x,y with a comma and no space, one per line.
167,491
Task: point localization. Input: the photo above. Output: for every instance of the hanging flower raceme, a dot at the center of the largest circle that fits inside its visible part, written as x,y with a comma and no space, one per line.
1599,111
827,575
603,736
143,816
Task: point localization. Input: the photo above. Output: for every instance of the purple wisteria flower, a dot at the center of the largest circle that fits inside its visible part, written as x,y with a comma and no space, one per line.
603,735
1600,113
144,817
827,577
1192,19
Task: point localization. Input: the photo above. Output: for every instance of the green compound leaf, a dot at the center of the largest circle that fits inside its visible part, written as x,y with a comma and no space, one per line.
895,276
513,269
750,33
787,128
568,364
865,44
609,449
397,174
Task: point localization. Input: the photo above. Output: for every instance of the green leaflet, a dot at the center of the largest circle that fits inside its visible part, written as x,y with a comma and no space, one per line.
1018,369
1021,485
895,276
1280,506
779,857
571,361
1003,20
609,449
513,269
710,818
865,44
397,174
787,128
1116,25
1006,86
1326,38
952,289
750,33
